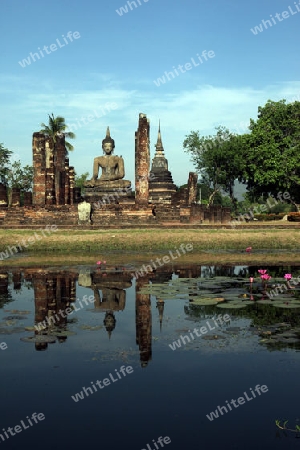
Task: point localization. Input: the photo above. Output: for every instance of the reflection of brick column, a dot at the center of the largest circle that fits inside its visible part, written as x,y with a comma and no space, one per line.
39,165
143,319
40,298
142,161
4,284
17,280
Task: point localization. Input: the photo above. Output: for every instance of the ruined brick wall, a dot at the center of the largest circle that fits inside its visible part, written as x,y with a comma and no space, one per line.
142,161
53,179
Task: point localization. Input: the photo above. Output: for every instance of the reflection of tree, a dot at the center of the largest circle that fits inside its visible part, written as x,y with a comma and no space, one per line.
5,294
259,314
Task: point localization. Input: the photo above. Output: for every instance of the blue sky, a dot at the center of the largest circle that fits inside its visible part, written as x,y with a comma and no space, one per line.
113,63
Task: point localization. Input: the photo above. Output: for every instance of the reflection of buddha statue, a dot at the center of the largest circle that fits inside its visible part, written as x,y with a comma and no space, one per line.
112,167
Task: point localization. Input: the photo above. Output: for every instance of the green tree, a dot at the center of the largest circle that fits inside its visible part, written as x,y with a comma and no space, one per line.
5,155
80,179
271,152
20,177
217,159
57,127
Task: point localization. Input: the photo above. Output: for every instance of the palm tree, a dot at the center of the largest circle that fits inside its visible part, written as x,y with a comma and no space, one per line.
57,128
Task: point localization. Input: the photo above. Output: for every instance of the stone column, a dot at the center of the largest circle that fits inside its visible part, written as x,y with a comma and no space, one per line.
39,166
72,184
192,188
226,215
59,170
142,161
67,182
218,214
27,198
15,197
3,196
50,188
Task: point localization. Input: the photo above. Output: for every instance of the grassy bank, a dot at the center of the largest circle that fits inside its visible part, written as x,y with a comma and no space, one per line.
139,240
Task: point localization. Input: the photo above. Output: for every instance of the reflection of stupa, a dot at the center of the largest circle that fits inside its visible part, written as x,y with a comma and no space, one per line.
160,304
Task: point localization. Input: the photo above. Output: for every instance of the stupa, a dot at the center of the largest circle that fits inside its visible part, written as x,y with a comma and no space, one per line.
161,186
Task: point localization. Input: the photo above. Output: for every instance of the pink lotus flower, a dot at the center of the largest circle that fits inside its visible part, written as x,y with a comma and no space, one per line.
248,249
262,271
288,276
251,279
265,276
98,262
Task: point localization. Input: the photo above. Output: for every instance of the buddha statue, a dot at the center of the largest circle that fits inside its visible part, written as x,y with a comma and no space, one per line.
112,167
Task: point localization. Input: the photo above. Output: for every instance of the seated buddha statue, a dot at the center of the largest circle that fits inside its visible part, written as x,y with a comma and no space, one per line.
112,167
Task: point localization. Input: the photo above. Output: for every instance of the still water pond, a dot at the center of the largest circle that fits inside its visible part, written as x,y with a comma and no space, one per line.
184,358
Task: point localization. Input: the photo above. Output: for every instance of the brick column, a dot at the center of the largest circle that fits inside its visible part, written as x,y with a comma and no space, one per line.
3,196
50,188
59,170
67,182
27,198
72,184
39,166
142,161
15,197
192,188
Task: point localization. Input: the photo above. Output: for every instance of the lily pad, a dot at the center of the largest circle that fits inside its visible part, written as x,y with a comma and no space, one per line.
61,333
231,305
203,302
286,305
39,338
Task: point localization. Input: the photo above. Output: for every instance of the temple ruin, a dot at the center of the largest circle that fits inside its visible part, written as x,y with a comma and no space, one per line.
108,199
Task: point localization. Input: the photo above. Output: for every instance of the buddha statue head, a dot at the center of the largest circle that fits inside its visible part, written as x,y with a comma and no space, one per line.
108,144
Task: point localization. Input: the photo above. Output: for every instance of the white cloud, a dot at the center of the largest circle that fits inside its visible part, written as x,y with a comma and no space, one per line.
201,109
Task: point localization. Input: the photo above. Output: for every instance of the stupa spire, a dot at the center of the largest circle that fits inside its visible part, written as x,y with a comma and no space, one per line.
159,146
